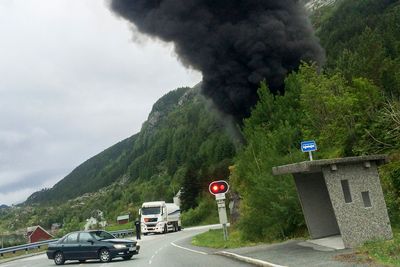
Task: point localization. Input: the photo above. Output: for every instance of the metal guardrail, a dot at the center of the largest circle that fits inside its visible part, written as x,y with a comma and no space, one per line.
123,232
26,247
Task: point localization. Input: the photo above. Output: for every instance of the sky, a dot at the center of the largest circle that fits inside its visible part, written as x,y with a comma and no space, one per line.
74,80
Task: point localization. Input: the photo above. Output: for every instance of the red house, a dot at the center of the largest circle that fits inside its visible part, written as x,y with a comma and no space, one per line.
123,219
37,233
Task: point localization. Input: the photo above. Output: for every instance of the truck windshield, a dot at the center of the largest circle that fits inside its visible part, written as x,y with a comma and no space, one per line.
151,210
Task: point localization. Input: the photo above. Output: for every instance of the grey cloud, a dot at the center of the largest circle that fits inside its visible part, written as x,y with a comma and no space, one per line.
72,84
34,179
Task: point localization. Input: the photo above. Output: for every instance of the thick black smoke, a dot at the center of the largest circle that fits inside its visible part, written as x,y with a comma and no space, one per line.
234,43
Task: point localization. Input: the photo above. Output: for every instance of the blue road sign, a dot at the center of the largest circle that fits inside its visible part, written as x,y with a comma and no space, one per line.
308,146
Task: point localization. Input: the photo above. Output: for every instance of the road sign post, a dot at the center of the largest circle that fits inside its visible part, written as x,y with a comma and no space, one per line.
309,146
218,189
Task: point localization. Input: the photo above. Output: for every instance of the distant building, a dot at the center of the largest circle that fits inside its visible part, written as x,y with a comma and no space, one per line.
177,198
93,223
96,221
37,233
123,219
55,227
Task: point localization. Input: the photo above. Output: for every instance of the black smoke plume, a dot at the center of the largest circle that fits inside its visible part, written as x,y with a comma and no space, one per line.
234,43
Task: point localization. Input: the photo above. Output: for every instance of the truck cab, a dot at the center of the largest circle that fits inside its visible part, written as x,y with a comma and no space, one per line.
159,217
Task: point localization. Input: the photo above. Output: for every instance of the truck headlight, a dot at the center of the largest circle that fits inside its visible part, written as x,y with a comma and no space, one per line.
119,246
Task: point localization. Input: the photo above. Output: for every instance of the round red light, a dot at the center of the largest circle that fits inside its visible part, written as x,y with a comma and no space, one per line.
218,187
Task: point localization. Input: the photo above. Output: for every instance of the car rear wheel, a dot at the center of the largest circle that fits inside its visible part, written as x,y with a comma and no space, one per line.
104,255
59,258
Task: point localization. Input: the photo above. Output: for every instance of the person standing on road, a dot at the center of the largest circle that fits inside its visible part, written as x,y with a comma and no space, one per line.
137,227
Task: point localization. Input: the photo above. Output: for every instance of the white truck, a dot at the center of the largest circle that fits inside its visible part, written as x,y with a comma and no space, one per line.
160,217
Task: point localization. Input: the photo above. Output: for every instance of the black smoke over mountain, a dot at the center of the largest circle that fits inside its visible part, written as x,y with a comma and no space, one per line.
234,43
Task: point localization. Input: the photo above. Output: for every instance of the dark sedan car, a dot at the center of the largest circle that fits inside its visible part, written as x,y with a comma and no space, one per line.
87,245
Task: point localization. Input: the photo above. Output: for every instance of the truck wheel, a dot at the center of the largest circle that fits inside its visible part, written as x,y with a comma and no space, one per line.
179,228
165,229
175,227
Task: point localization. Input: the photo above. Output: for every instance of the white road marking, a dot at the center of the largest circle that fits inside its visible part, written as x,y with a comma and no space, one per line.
151,259
247,259
188,249
155,253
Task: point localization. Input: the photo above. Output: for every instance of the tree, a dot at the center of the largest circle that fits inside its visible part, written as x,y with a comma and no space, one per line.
269,207
190,188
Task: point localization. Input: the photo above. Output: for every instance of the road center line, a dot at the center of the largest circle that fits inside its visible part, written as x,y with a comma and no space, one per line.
188,249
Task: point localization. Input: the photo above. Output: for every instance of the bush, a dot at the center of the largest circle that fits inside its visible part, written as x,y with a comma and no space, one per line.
390,178
205,213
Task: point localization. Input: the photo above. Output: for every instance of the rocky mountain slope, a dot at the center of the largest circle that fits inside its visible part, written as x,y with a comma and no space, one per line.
177,131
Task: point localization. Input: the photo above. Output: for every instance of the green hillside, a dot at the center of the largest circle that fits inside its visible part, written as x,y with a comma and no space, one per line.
97,172
182,146
361,39
178,131
350,107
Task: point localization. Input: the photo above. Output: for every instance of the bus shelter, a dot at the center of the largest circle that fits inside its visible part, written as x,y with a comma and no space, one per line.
342,197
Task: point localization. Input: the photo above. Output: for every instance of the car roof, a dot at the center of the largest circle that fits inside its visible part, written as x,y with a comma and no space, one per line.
86,231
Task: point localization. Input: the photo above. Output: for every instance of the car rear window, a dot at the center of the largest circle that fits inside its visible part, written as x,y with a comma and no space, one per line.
72,238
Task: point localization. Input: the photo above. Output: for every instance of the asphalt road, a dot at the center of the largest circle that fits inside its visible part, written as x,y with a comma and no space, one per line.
170,250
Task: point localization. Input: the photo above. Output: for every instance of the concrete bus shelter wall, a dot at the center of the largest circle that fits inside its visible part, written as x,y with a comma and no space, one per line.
361,217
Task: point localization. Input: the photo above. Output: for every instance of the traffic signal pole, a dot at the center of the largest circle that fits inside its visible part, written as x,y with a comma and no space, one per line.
223,218
219,188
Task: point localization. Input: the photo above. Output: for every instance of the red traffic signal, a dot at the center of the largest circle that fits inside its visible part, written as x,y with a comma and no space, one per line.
218,187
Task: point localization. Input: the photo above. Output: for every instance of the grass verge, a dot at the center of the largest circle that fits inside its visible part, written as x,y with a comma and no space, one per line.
117,227
215,239
23,253
384,252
